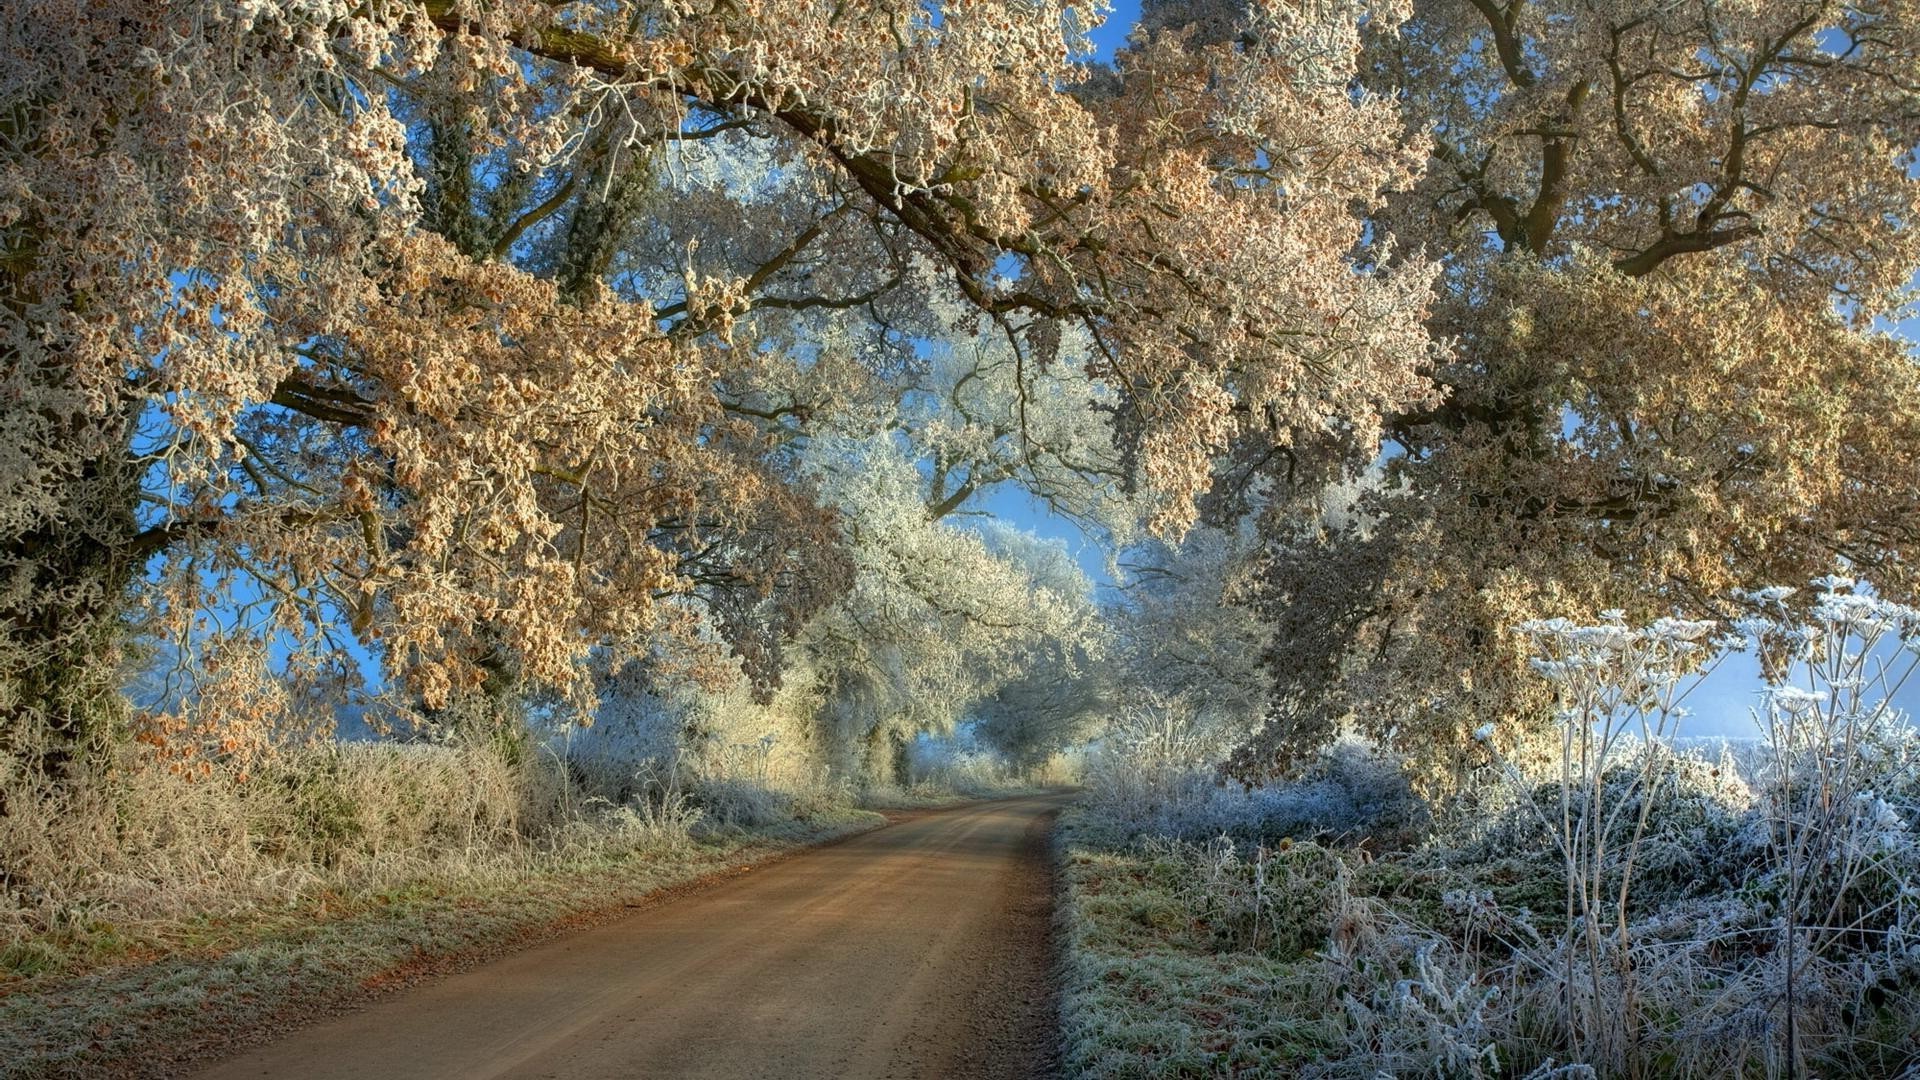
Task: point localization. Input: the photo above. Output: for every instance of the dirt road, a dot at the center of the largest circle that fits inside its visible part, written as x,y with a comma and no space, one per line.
918,950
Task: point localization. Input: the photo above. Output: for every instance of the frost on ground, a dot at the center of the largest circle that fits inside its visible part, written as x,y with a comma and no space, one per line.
1613,907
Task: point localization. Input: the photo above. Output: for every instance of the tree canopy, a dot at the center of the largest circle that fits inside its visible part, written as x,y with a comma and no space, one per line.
1670,235
510,341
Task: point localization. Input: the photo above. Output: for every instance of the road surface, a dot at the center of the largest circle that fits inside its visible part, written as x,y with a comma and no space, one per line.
916,950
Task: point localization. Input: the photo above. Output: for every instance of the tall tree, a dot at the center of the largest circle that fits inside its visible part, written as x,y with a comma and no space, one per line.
1669,232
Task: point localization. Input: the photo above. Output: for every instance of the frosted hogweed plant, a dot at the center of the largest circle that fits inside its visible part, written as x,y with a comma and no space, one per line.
1837,771
1154,762
1840,770
1619,693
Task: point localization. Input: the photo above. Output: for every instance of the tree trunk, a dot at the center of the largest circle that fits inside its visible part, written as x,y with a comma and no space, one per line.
63,595
67,557
888,760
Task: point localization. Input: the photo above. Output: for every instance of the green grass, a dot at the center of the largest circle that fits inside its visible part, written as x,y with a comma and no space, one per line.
1149,994
90,1000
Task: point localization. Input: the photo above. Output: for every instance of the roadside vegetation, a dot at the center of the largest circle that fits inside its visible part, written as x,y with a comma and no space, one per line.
1622,907
175,904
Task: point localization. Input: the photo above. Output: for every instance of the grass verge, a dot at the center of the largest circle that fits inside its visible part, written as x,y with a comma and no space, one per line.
1147,990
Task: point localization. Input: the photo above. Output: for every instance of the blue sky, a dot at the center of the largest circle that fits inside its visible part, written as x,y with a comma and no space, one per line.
1113,33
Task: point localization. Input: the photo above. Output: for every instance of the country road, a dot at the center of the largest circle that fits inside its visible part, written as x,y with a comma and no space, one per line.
916,950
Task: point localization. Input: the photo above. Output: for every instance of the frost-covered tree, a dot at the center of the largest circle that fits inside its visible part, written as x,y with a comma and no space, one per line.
1668,233
1184,632
939,617
358,308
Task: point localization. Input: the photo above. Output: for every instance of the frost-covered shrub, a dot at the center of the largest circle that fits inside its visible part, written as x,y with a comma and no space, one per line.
1153,765
1153,777
1352,793
1699,837
1622,906
742,763
653,811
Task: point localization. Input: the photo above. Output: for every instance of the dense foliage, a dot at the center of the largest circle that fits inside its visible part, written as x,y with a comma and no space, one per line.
1668,233
511,340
